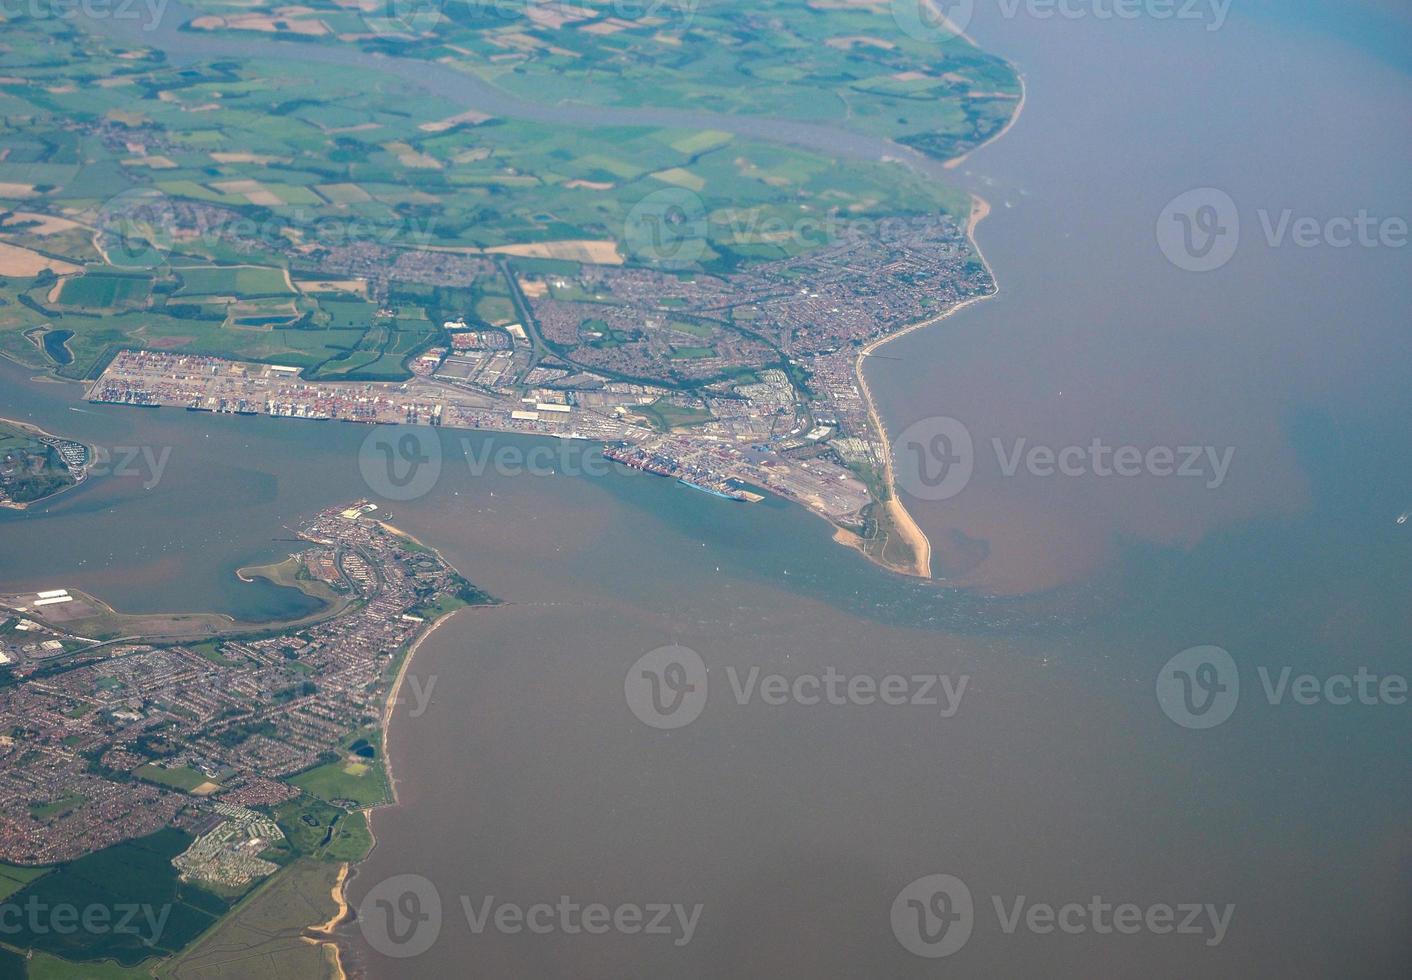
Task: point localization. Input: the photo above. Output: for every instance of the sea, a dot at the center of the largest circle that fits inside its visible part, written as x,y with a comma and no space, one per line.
1042,771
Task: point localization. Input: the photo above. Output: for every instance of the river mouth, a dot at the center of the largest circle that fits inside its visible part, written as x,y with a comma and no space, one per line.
1062,777
184,46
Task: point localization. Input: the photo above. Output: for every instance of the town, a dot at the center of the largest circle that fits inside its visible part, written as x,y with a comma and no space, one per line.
731,383
104,742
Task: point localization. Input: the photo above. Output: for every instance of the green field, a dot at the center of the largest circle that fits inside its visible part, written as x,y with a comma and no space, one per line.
495,310
56,808
180,778
14,440
702,330
232,281
134,875
359,782
30,469
345,163
317,829
693,353
46,967
665,416
97,290
864,67
14,877
266,929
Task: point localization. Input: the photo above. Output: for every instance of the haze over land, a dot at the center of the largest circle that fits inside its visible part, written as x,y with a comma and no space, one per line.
1049,766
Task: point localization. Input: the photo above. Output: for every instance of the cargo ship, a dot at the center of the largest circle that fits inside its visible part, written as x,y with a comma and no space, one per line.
723,494
658,465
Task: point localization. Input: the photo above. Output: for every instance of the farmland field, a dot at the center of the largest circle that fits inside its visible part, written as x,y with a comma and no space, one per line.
232,281
97,291
851,65
267,929
136,874
13,878
171,204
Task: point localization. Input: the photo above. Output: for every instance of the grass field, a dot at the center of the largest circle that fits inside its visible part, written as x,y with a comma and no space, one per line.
346,163
38,470
319,830
97,290
180,778
666,416
56,808
350,779
232,281
693,353
17,440
136,874
13,878
46,967
292,574
266,929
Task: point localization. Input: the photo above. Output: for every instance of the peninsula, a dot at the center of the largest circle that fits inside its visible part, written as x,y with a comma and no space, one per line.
234,762
695,292
35,465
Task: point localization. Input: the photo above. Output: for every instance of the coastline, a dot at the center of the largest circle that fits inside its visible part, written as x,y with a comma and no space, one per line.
940,15
350,869
396,690
906,525
955,162
902,519
330,945
79,478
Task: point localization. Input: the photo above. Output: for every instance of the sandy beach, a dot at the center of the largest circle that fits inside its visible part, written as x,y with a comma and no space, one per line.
902,519
347,872
330,946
